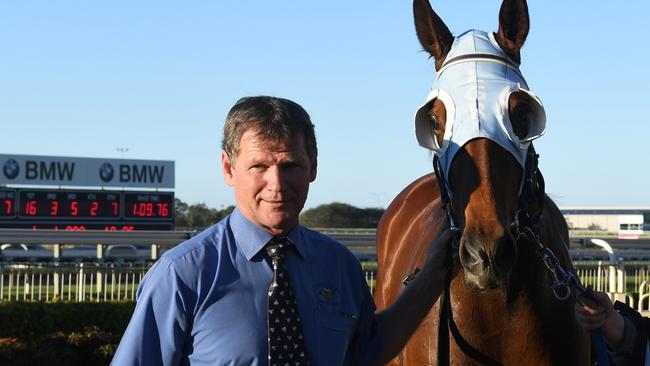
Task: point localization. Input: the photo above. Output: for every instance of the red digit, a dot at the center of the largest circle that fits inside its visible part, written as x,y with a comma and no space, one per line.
143,210
163,209
54,208
93,209
30,208
75,228
74,210
115,208
8,205
149,209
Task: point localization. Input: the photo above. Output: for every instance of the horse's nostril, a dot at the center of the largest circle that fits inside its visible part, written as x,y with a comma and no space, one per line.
484,257
473,258
505,254
487,263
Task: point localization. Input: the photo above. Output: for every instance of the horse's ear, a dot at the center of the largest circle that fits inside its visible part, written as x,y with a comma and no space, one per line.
432,32
513,27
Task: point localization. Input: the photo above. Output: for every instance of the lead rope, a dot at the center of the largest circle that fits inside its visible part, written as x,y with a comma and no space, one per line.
562,279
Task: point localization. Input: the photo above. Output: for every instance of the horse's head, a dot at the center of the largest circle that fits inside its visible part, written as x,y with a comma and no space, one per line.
480,119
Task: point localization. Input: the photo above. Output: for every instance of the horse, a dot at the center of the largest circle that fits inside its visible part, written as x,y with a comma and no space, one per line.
508,300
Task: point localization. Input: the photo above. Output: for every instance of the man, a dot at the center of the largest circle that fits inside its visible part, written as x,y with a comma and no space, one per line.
208,301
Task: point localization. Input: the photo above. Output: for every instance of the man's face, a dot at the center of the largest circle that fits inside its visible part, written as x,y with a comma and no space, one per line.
271,180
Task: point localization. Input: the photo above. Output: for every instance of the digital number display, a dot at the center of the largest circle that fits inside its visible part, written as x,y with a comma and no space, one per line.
39,204
148,205
7,203
83,226
78,210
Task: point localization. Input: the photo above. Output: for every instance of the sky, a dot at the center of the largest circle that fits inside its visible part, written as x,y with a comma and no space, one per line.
88,78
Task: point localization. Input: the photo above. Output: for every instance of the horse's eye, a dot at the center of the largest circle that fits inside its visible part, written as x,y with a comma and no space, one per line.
434,121
520,119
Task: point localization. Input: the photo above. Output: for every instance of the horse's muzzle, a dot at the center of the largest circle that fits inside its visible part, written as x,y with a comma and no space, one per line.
487,262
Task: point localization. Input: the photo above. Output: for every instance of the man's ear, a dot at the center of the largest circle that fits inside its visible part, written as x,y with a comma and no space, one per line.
312,176
228,169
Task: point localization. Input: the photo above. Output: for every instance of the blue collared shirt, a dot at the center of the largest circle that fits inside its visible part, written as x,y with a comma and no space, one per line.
204,302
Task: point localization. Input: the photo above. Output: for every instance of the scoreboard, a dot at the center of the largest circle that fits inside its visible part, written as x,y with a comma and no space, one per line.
61,209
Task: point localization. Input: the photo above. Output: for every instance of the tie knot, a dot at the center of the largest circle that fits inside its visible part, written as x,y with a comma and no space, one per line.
277,248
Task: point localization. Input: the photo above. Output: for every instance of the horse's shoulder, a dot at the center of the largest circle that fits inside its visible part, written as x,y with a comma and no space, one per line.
414,215
413,199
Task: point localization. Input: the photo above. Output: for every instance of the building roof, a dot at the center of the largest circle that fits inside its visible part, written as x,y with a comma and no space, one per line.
602,210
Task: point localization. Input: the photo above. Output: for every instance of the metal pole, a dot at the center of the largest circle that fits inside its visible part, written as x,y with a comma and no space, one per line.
620,276
612,279
599,284
80,281
47,287
100,257
154,251
57,255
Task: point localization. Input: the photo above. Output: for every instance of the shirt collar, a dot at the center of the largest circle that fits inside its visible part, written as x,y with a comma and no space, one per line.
251,238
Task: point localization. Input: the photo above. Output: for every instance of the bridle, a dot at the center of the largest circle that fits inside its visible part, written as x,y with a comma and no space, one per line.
477,71
526,228
526,225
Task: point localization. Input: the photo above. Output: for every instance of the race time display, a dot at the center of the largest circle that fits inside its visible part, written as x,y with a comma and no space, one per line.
86,209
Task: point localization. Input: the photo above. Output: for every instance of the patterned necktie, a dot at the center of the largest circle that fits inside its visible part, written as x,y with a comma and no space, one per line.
286,343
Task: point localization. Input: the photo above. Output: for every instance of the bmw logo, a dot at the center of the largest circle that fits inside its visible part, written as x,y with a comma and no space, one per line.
106,172
11,169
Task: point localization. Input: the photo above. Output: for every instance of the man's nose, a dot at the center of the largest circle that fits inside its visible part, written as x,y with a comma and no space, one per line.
275,179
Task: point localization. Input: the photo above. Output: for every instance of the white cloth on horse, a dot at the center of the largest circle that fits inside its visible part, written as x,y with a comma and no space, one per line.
474,84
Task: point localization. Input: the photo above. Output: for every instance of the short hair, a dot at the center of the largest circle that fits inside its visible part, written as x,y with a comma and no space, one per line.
275,119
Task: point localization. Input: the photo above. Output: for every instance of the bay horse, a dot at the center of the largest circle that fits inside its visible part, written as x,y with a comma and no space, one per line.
507,299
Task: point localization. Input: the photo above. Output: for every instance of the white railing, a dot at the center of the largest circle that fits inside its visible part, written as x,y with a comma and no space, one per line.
118,281
628,283
70,281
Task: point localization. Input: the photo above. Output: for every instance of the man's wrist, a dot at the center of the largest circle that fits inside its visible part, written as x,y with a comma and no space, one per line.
615,329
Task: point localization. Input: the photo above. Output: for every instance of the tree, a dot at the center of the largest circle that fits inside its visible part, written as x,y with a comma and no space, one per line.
180,213
331,215
594,227
197,216
341,215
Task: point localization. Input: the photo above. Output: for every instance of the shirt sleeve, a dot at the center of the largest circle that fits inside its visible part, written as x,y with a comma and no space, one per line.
157,331
623,354
633,347
368,340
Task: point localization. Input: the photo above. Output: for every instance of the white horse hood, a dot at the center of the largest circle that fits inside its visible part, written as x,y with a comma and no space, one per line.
474,84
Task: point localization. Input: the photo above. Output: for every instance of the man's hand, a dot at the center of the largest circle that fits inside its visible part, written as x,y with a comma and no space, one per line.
440,246
403,317
596,311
